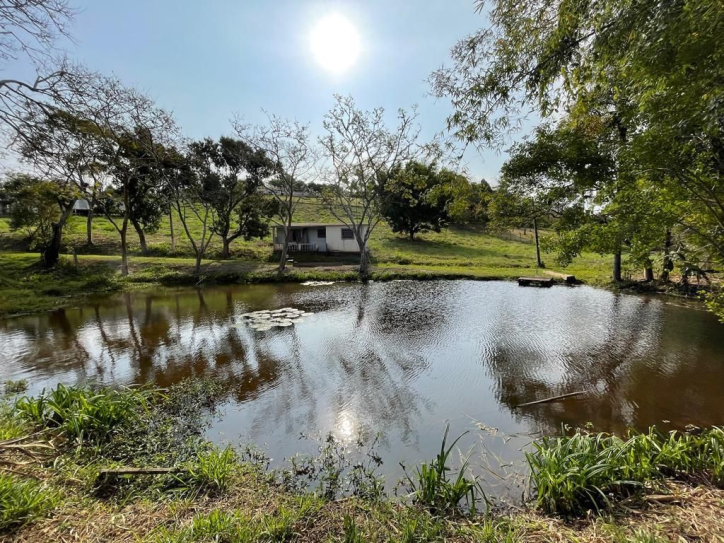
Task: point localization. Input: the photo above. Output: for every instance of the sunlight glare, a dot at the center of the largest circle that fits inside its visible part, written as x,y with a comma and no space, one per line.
335,43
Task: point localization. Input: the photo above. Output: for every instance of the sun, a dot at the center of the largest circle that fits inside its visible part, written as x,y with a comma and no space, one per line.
335,43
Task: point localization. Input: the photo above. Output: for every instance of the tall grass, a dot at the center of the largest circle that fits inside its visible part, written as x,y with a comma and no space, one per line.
212,471
23,500
431,486
576,473
81,413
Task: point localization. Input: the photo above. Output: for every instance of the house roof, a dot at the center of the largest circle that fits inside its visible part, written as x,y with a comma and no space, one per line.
313,224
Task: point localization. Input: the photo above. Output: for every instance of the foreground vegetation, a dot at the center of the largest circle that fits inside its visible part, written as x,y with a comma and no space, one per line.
56,448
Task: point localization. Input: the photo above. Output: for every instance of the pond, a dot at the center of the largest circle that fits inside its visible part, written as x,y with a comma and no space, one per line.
396,360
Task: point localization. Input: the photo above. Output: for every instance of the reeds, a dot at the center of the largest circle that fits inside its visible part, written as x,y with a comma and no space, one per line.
81,413
576,473
432,487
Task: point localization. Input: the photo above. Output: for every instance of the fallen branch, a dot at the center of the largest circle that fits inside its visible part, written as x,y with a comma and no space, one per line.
552,399
104,473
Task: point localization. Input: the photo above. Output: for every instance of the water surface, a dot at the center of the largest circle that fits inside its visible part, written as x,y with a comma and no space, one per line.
398,360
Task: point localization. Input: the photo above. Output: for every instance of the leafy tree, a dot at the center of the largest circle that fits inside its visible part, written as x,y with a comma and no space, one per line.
471,202
36,206
239,174
417,197
651,72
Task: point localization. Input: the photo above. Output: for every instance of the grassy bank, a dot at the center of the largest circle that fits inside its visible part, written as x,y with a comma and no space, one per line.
454,253
55,449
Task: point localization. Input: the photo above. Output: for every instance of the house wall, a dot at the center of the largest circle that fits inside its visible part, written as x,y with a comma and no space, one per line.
337,244
333,242
313,238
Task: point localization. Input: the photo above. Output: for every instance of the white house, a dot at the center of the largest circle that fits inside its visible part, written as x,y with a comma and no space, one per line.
317,238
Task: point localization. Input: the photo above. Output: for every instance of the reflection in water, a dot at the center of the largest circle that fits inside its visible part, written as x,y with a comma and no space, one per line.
396,359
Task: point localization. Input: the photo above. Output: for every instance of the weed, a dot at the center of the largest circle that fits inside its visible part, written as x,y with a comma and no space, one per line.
22,501
352,534
432,487
213,470
16,387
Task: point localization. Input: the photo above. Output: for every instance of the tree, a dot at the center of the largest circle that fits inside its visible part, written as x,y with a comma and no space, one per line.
29,31
289,146
471,202
194,187
56,145
511,208
651,70
35,206
108,137
362,152
417,198
240,173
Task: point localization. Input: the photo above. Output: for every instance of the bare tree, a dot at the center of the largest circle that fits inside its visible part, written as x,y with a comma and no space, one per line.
31,27
289,145
361,152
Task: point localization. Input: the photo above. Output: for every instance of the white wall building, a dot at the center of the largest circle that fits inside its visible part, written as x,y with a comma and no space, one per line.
317,238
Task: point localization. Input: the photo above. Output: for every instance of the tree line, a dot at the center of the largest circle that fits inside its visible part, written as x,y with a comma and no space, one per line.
628,155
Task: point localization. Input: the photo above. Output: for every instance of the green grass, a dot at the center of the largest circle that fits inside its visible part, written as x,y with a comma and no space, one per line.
456,252
581,472
80,413
23,500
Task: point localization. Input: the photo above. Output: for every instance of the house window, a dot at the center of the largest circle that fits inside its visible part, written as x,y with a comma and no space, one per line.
321,233
347,233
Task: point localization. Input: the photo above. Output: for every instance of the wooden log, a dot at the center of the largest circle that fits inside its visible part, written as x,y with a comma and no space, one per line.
108,473
552,399
538,281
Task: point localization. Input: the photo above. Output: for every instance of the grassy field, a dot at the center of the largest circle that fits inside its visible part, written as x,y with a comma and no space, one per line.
470,249
54,450
456,252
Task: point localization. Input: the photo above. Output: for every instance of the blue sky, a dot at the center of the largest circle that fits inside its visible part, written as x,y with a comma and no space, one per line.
206,60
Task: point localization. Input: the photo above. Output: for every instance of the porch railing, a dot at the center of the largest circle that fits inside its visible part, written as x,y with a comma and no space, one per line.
298,247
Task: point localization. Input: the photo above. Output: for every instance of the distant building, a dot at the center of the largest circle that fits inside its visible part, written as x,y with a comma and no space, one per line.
317,238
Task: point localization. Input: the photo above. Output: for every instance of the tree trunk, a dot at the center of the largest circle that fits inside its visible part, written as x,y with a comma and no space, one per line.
89,227
141,236
668,264
285,248
648,274
364,263
198,262
225,249
617,267
51,254
412,235
124,250
537,244
173,237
